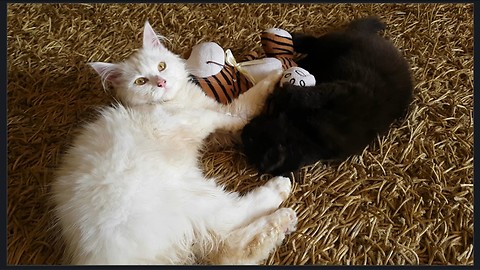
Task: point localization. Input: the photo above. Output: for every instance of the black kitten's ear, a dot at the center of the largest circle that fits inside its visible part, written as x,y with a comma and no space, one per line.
303,43
368,25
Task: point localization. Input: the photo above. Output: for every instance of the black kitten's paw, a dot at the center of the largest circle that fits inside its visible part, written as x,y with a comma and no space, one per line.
278,100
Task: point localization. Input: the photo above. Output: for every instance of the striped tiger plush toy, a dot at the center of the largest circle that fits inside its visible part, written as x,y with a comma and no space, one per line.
228,82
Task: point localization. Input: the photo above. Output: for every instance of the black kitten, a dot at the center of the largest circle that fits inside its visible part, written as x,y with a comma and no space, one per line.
363,86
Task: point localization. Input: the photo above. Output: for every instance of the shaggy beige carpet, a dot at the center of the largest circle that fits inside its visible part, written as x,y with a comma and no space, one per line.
407,199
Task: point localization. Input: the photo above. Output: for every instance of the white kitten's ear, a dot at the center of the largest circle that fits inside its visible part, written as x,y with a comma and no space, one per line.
150,38
108,72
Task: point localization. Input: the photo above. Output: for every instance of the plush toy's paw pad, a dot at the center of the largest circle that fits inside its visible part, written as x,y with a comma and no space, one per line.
297,76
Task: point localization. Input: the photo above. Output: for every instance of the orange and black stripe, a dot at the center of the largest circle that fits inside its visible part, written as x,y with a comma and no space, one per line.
278,47
275,45
225,85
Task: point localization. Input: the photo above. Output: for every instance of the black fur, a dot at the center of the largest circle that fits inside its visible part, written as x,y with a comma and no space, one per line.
363,86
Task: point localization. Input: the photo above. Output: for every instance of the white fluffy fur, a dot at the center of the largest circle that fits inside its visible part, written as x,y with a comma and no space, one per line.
129,190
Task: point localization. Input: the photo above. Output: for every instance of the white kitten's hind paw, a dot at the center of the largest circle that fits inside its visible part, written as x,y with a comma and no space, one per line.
280,223
252,244
287,220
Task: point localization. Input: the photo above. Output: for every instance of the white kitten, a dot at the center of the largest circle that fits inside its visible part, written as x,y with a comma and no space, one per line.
130,191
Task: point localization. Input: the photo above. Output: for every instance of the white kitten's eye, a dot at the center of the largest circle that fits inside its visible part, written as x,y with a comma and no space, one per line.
162,66
141,81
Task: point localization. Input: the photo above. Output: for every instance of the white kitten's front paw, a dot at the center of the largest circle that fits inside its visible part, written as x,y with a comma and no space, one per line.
271,80
276,75
239,123
280,184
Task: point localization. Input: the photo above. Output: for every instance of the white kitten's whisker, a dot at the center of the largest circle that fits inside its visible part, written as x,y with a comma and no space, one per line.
163,38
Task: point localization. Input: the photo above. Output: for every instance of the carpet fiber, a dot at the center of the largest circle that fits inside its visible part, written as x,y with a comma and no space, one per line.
406,199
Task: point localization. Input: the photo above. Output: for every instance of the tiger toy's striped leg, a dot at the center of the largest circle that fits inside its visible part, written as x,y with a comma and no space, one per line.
224,86
278,43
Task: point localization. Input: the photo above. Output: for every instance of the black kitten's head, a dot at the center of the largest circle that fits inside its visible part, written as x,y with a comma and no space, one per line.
264,141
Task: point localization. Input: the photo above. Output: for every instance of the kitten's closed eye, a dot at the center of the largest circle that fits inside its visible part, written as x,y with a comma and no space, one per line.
249,139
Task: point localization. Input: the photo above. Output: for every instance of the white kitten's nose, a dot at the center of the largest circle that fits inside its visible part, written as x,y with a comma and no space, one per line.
161,83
